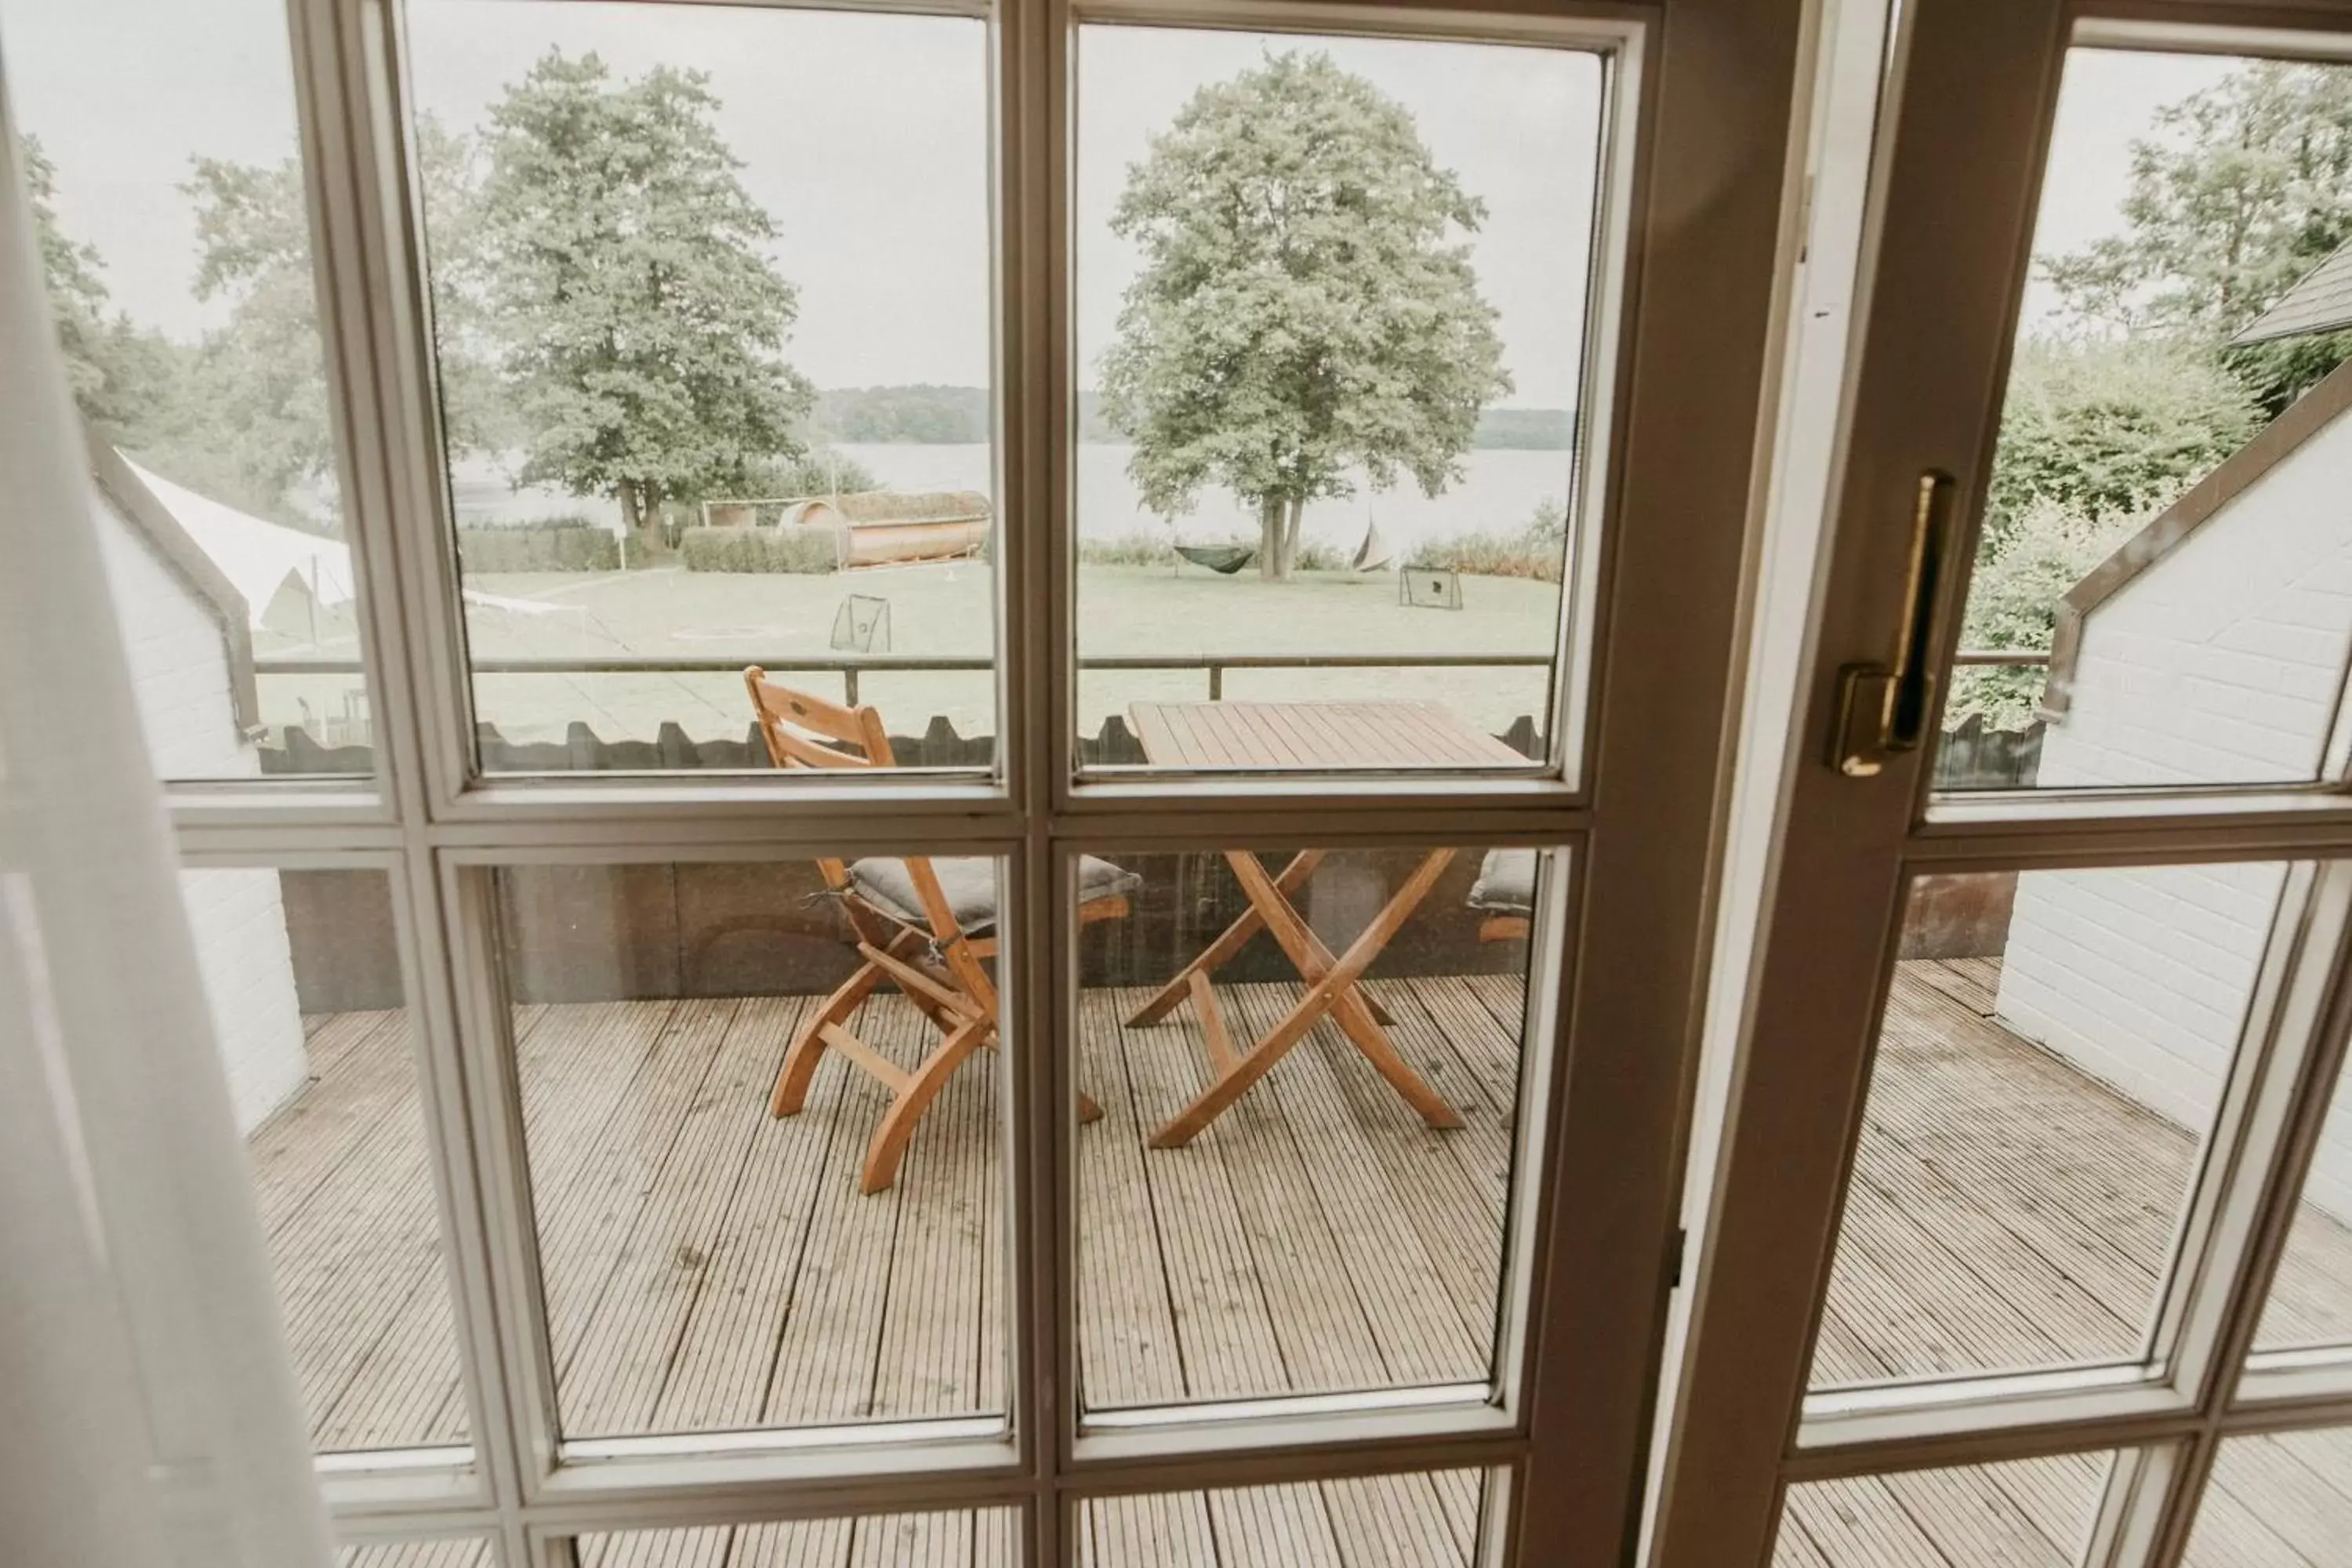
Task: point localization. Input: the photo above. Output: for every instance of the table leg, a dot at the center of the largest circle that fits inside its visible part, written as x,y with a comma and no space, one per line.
1333,989
1236,936
1351,1008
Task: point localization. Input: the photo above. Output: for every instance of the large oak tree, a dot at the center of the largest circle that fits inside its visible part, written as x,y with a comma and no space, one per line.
1306,302
640,323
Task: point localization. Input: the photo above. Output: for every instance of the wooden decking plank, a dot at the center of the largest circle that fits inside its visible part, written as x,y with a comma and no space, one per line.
2296,1490
302,1144
1975,1519
1894,1276
1454,1186
1858,1523
1127,1344
2036,1096
701,1546
919,1540
795,1543
1373,1217
932,1349
826,1357
1792,1547
622,1360
580,1074
2230,1533
2311,1295
1462,1494
365,1240
1989,1256
458,1553
405,1388
650,1167
1319,1317
1959,983
1392,1522
1218,1302
727,1353
1273,1527
1170,1529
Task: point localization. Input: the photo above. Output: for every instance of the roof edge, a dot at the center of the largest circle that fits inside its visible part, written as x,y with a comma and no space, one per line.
140,506
2304,417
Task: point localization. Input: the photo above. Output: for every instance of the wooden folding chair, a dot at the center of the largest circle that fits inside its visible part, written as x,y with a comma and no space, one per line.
921,925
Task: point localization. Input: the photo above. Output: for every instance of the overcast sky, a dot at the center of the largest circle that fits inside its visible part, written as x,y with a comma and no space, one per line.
864,135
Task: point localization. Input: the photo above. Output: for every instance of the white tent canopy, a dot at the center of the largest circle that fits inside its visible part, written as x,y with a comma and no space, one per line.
258,558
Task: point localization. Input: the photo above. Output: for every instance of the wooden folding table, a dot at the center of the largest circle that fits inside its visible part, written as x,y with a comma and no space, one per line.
1322,736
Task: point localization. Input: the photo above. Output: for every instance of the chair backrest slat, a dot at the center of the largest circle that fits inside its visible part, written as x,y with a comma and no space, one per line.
789,718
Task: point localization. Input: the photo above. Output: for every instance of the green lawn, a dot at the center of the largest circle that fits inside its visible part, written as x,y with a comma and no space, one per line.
949,610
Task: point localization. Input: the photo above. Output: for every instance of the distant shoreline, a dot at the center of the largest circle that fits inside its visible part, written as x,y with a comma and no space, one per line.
924,413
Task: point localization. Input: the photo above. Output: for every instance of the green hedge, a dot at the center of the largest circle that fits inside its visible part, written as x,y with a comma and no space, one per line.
793,549
556,547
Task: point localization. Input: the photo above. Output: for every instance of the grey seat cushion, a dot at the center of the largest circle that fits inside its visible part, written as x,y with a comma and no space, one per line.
969,884
1506,882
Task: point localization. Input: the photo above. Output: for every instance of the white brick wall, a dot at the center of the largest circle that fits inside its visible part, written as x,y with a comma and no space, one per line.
2217,664
180,676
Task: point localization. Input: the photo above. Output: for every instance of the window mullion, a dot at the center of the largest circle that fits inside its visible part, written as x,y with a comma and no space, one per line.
346,89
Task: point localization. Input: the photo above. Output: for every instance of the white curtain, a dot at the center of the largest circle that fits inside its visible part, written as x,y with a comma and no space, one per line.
148,1412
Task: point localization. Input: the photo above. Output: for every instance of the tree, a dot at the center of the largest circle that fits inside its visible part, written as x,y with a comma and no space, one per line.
639,321
120,376
2108,426
2244,188
1304,305
261,376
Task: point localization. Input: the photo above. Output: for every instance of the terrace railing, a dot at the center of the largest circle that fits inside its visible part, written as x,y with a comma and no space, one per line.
1972,757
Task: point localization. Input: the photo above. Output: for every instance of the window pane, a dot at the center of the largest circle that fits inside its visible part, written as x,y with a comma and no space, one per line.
2158,555
976,1538
1335,1222
1426,1520
461,1553
303,974
714,371
1331,385
2278,1500
2025,1513
2311,1295
2054,1050
711,1265
167,187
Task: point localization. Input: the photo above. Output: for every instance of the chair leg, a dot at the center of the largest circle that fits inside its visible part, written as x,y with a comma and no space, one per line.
889,1145
808,1046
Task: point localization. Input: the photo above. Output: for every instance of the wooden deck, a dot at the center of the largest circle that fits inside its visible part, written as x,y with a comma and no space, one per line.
711,1268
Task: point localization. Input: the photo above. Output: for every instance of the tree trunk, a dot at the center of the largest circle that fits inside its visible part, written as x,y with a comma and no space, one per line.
1272,564
1290,535
638,517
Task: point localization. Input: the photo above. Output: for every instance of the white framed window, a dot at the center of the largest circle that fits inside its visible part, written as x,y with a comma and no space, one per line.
2045,1016
754,1136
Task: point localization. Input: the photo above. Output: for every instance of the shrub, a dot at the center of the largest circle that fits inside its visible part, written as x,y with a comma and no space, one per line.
2013,605
1486,553
805,551
560,544
1536,549
1133,550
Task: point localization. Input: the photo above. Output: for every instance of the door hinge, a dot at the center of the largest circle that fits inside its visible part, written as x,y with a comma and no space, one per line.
1675,1270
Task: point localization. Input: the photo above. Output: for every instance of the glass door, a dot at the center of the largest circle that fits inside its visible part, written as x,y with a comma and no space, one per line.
2025,1240
955,802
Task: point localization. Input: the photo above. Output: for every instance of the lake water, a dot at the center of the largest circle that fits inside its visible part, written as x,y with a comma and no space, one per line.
1499,491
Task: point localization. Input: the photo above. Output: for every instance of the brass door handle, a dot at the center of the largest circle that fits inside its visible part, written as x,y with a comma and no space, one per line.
1883,708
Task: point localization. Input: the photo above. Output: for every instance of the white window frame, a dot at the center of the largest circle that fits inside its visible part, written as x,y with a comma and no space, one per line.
1747,1424
1699,101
